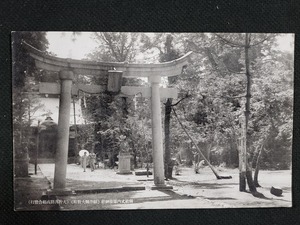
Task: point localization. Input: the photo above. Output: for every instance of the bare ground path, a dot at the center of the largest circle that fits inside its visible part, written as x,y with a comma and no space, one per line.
226,192
190,190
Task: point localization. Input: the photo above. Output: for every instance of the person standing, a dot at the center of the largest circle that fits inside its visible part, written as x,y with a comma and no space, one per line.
84,161
196,162
177,164
199,164
92,161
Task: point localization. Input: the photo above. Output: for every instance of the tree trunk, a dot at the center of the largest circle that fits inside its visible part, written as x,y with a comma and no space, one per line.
250,182
242,181
168,109
247,111
190,156
256,176
257,167
135,161
169,54
208,151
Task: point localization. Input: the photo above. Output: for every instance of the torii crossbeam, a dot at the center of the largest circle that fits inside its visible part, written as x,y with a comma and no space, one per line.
68,67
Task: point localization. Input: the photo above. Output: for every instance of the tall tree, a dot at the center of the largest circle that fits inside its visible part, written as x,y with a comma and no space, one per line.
247,112
272,105
223,69
250,41
23,67
169,54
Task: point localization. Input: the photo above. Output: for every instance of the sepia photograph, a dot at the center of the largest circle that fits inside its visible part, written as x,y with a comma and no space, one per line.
130,120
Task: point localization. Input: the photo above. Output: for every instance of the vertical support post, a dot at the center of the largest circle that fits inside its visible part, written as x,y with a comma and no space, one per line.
242,153
61,157
75,126
37,147
157,141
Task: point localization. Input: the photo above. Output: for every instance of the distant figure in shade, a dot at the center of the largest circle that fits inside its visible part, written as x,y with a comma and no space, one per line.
177,164
199,165
177,168
92,160
196,162
78,159
84,161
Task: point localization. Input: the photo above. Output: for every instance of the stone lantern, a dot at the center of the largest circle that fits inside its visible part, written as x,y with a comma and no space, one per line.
124,157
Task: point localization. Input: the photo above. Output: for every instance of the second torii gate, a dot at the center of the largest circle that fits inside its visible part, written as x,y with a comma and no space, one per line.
67,68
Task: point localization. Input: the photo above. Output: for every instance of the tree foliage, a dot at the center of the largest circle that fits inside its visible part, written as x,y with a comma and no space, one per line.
23,70
223,86
113,115
115,46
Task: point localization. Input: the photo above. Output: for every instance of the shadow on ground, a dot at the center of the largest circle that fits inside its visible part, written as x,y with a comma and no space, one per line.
90,185
202,185
28,189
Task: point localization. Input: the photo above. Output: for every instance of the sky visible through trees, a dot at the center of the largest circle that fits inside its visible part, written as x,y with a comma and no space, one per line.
62,45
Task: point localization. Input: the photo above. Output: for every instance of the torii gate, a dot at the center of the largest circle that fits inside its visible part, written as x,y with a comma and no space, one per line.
68,67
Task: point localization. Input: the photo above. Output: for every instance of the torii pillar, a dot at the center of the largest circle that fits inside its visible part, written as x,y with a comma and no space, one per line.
65,68
157,142
61,156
